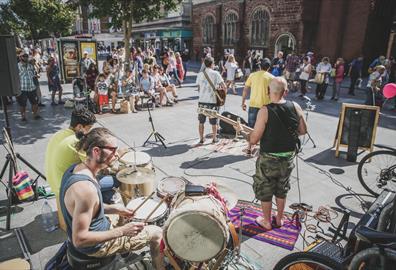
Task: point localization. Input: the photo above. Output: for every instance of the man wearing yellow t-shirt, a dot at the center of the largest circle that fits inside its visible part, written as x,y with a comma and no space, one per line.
258,83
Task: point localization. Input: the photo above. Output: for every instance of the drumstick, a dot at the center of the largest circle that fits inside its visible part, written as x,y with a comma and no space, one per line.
158,205
145,200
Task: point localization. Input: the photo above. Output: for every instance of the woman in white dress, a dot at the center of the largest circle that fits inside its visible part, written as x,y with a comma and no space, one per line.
231,67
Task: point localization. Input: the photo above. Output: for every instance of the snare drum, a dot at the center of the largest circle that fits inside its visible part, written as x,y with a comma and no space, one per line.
170,186
157,218
196,229
142,160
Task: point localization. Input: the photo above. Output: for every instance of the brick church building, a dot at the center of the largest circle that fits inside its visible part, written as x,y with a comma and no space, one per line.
334,28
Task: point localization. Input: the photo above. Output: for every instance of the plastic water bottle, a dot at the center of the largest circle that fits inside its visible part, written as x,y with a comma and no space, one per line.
48,217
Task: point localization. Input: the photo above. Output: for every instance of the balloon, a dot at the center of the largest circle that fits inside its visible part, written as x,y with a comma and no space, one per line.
390,90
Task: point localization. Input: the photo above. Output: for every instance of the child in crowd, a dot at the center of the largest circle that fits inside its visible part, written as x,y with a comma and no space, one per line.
130,90
103,92
146,84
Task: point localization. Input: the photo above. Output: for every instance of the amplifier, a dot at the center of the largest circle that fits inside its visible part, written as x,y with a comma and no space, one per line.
327,249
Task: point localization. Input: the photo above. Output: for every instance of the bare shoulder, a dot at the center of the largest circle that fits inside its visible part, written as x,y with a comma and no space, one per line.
297,106
83,191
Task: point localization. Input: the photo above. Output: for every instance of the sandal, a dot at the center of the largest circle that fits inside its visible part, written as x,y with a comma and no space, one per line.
261,226
274,224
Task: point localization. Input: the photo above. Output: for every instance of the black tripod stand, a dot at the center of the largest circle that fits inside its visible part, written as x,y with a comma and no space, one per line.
156,134
309,107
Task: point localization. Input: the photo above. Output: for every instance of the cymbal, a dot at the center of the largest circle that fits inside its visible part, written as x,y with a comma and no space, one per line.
229,196
135,176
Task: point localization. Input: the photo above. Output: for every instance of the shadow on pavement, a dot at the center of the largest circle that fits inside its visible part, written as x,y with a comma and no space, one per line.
36,238
327,157
173,150
211,163
351,203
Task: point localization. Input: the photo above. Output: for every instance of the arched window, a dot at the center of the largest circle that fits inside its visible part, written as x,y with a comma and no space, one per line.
207,29
260,28
230,25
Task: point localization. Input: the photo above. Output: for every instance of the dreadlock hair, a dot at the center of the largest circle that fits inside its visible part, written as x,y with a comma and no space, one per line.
96,137
81,115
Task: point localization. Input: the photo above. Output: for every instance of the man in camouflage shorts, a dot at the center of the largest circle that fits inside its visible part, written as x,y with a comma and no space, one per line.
277,128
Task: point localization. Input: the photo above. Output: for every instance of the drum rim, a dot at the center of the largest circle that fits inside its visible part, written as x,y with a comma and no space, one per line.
166,227
137,164
163,193
152,219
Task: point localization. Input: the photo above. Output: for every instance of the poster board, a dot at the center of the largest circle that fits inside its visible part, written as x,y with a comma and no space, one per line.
69,58
367,129
90,48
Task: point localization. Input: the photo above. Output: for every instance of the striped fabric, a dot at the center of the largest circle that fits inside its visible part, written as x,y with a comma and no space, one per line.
284,237
22,186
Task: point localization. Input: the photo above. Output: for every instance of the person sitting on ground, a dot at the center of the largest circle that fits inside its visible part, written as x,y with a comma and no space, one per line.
277,128
130,89
102,88
89,232
163,98
165,82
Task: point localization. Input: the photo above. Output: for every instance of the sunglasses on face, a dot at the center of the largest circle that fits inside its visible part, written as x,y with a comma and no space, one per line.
113,149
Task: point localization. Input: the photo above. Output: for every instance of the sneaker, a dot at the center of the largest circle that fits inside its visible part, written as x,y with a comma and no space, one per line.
53,103
199,143
61,102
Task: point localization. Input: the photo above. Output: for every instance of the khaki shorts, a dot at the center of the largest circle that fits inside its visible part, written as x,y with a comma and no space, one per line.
126,244
272,177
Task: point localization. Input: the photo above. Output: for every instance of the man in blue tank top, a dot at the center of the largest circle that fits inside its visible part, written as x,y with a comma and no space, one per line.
277,127
89,231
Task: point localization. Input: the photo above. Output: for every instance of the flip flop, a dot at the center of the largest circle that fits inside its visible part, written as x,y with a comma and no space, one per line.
274,224
261,226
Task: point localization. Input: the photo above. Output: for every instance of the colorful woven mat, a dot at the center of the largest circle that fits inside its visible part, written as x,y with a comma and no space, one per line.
285,236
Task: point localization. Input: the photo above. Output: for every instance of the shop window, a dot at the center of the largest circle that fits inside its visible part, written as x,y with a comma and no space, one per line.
208,29
260,28
230,28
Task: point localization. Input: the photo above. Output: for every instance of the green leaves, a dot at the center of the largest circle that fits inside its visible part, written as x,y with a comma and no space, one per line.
40,18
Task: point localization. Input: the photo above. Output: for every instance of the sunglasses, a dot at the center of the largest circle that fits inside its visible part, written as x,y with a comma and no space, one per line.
113,149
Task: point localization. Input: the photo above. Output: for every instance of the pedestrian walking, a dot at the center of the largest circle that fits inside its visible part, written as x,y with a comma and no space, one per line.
291,64
54,84
231,66
186,59
27,87
338,78
278,64
355,72
247,65
179,67
306,69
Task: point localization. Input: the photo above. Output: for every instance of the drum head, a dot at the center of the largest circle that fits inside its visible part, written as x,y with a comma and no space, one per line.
142,158
195,236
171,185
146,209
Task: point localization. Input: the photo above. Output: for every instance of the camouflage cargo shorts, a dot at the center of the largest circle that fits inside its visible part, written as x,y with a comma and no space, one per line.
272,177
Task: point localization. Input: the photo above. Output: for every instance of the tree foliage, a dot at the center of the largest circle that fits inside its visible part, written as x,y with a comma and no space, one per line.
38,18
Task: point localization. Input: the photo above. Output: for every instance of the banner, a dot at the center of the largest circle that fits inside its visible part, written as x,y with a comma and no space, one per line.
70,58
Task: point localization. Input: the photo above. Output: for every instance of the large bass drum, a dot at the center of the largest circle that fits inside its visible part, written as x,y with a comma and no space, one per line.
196,229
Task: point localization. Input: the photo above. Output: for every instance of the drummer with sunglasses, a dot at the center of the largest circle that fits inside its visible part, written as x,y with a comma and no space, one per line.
89,231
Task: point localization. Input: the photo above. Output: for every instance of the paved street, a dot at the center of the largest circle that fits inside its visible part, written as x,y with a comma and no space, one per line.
178,124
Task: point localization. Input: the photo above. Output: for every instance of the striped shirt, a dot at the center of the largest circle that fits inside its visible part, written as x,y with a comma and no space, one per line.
26,74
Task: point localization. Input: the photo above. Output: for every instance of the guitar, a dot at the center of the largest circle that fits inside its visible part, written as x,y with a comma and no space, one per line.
214,114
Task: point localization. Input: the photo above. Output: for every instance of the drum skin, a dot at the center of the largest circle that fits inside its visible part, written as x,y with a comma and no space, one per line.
170,186
196,229
146,209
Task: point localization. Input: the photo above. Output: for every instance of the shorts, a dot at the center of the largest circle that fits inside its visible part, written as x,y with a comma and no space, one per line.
252,115
103,100
290,75
125,244
272,177
55,86
202,117
25,95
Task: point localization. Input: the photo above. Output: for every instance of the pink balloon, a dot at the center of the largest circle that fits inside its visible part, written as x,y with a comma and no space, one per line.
390,90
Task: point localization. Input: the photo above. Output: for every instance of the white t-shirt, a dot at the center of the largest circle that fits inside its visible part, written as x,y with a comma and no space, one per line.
206,94
231,68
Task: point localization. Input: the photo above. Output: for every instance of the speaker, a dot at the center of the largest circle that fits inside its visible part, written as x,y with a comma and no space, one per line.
9,75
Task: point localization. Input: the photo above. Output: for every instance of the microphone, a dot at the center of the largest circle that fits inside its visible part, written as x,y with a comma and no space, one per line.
306,98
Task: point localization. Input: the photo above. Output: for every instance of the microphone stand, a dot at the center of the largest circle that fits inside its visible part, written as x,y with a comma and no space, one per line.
309,107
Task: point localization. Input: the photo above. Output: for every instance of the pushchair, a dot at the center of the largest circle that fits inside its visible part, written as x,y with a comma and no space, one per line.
81,94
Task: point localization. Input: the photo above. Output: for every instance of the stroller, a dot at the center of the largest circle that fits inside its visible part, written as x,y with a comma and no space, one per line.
81,95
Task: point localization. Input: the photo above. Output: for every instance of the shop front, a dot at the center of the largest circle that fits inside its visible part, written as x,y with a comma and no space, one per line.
177,40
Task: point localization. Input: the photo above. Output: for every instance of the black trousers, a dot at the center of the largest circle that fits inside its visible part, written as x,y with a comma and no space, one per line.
354,78
321,90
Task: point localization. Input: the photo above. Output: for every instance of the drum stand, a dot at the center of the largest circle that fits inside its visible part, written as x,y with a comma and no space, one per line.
156,134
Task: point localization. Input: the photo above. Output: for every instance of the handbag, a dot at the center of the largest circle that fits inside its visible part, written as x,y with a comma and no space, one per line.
319,78
238,74
220,93
22,185
124,106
